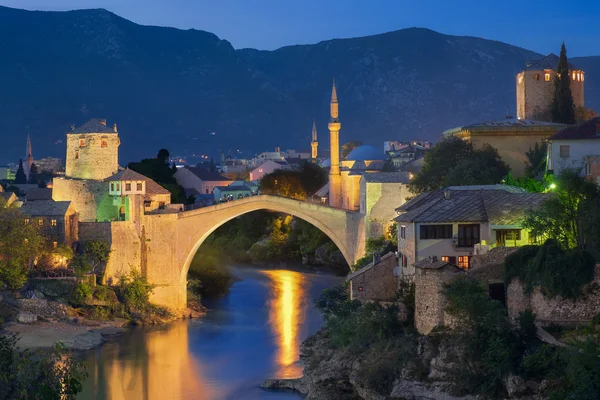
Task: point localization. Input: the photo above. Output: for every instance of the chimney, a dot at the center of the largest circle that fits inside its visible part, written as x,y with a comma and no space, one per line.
102,121
434,258
447,194
115,128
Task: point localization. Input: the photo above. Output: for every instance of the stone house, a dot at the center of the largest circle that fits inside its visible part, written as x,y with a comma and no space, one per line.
577,147
267,167
380,194
201,179
431,274
130,189
58,220
452,223
376,281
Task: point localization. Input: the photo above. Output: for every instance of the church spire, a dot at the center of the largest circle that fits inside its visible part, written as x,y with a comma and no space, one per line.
333,107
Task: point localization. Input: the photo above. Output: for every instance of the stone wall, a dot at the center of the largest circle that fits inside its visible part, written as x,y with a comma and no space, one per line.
380,203
93,160
375,282
407,248
90,198
556,310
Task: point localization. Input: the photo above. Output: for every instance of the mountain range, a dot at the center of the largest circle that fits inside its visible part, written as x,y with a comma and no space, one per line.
193,93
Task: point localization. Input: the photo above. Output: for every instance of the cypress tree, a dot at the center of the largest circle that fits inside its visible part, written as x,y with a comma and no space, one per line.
20,176
33,175
563,107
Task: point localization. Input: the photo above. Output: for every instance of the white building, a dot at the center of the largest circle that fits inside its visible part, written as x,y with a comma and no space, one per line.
577,147
200,179
266,168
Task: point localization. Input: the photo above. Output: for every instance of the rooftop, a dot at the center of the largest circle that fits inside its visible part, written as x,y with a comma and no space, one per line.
39,194
434,263
45,208
387,177
94,126
503,124
130,175
548,62
206,175
364,153
497,204
589,129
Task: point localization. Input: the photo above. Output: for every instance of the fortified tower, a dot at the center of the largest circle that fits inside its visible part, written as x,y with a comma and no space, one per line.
535,88
92,151
314,144
335,180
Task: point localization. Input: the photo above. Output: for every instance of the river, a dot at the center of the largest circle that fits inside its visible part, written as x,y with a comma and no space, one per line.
251,334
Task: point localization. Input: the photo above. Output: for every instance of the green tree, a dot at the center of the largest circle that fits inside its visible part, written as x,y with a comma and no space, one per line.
535,166
454,161
568,215
563,107
33,175
45,376
348,147
295,184
20,177
20,243
97,253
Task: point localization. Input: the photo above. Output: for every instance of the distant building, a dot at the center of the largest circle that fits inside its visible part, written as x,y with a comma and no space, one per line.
267,167
200,179
451,223
39,194
406,154
6,173
314,143
535,87
511,137
231,192
392,145
50,164
577,147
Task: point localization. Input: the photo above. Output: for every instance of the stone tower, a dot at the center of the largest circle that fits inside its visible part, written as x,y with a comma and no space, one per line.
335,179
535,88
314,144
92,151
28,158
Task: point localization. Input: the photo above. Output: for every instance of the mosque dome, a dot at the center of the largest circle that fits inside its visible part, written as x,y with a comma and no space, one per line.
364,153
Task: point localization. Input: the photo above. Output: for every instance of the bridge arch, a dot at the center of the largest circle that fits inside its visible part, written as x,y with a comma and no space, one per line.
195,226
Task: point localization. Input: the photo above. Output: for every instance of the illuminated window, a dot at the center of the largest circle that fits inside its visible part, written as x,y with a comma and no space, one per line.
26,221
81,142
260,170
463,262
403,232
565,151
53,222
574,76
128,187
139,186
582,77
449,259
547,76
360,289
104,143
537,77
55,244
578,76
40,222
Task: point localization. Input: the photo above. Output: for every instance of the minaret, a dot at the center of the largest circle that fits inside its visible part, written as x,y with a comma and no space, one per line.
28,158
314,144
335,179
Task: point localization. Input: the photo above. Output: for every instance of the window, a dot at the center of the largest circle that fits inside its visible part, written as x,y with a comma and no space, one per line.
206,191
104,143
578,76
260,170
81,142
40,222
506,236
118,186
403,232
435,232
53,222
537,77
26,221
547,76
55,244
112,187
582,77
574,76
128,187
565,151
588,169
139,186
76,155
449,259
404,261
468,235
463,262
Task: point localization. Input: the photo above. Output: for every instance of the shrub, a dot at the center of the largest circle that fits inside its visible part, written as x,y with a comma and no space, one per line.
13,275
214,279
81,294
134,290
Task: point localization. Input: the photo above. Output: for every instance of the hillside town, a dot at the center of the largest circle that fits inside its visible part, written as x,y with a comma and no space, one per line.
494,223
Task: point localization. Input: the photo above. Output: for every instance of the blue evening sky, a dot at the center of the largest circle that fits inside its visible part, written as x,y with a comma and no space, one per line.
268,24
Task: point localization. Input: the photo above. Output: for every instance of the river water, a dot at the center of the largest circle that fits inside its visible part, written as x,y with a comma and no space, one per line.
249,335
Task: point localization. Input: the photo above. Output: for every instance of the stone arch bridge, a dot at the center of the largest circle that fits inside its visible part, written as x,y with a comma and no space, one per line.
163,245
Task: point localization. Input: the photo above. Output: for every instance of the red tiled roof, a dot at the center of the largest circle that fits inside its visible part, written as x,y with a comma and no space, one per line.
589,129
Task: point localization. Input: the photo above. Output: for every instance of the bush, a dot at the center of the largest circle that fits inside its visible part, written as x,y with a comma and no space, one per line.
82,294
134,290
14,276
378,245
212,279
556,272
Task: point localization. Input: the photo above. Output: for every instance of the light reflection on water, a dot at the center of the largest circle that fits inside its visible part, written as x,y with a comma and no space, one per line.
252,334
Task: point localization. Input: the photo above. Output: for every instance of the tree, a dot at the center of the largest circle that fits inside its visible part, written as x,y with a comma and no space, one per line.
97,253
163,155
33,175
348,147
454,161
563,107
583,114
20,177
20,243
569,215
535,166
295,184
